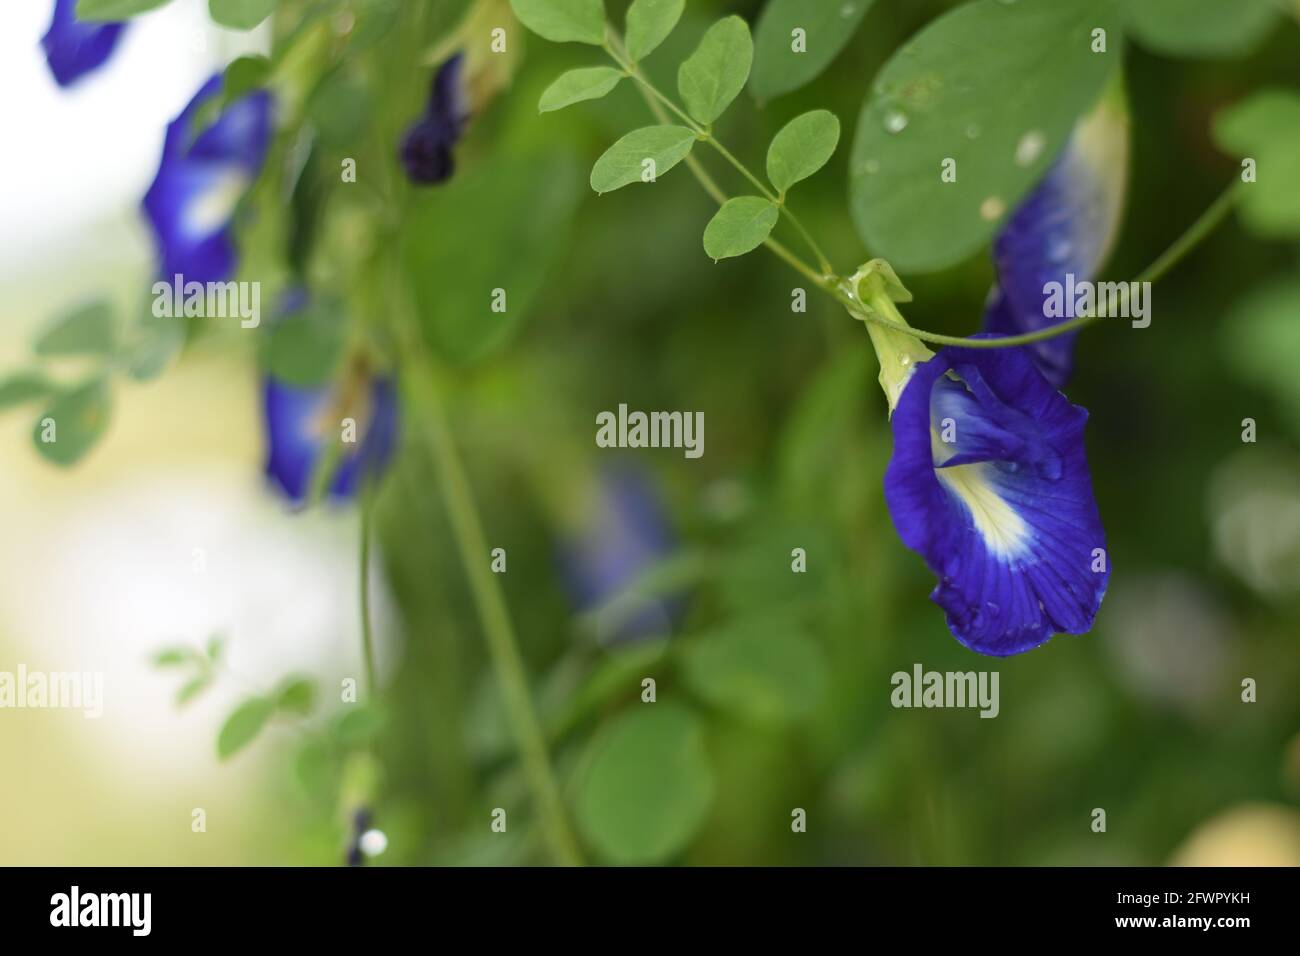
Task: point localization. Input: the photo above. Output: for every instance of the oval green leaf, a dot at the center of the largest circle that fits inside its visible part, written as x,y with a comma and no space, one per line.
1266,128
647,785
762,669
739,226
648,24
22,387
784,60
74,421
1202,28
651,149
240,14
87,330
243,725
563,21
803,146
1002,118
575,86
716,72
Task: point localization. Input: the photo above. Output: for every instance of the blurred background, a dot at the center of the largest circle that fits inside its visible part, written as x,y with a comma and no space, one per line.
772,688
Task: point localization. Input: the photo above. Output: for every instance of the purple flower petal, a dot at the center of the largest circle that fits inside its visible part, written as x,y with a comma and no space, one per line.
1066,226
298,422
1003,514
200,180
72,48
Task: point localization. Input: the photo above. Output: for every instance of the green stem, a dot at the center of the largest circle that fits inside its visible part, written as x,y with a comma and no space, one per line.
493,613
830,283
657,101
363,575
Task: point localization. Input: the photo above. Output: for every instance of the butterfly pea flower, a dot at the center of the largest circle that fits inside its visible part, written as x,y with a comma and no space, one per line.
1065,227
73,48
426,150
989,483
301,424
203,175
627,533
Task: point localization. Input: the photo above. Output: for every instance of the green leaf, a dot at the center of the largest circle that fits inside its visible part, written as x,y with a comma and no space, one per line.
1202,28
716,72
244,75
214,648
240,14
151,345
764,669
1003,118
87,330
176,656
72,424
358,725
740,226
107,10
243,725
828,25
590,83
563,21
648,24
22,387
625,162
297,695
1266,128
304,349
192,688
340,108
647,785
511,214
803,146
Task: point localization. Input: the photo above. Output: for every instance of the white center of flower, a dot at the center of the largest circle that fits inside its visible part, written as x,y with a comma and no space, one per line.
1005,533
211,208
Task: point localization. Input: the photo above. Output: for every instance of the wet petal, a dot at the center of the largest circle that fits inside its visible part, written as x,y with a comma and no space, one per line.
1003,512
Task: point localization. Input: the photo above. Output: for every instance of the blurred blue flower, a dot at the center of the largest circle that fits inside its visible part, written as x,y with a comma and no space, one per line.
989,483
72,48
627,534
426,148
300,423
1066,226
201,179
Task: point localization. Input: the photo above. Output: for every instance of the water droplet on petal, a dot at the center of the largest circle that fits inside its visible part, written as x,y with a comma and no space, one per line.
895,121
992,208
973,131
1030,147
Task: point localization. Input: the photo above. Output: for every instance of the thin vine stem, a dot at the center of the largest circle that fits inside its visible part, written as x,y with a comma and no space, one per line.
493,614
615,51
829,282
363,582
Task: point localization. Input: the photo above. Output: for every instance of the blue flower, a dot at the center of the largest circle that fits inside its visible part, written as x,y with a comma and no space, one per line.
989,483
426,148
73,48
1066,226
301,421
201,179
628,533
